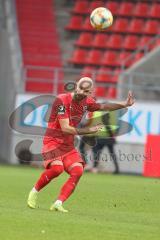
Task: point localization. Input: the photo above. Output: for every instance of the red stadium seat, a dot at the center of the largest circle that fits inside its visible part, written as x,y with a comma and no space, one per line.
121,25
112,6
122,59
126,9
75,23
155,10
111,93
40,44
37,49
88,71
39,87
39,74
144,41
101,91
131,42
115,41
41,60
61,87
105,75
79,56
85,40
152,27
109,59
137,57
81,7
87,25
100,40
157,43
141,10
94,57
95,4
116,75
136,26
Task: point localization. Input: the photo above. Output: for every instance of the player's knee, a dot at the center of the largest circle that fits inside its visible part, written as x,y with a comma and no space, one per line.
77,171
57,170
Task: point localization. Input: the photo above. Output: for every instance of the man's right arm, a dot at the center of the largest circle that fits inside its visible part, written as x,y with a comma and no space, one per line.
66,128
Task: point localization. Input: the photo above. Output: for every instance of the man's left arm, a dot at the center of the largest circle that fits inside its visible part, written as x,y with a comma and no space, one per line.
118,105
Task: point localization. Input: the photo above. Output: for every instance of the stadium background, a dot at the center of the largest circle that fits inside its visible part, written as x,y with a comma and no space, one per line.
44,47
47,43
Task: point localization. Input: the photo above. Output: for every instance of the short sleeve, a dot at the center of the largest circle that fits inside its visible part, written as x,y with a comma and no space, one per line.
92,105
60,108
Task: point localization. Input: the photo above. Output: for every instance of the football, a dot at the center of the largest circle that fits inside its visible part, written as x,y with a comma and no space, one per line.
101,18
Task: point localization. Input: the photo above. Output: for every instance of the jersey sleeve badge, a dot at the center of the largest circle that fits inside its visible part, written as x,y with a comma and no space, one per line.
61,109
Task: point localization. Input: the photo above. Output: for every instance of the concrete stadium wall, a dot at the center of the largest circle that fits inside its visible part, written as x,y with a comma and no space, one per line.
144,74
6,94
10,74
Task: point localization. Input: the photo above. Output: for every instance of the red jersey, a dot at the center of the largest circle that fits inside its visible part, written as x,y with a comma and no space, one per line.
63,107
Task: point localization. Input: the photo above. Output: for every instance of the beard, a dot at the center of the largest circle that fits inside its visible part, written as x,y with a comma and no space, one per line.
79,96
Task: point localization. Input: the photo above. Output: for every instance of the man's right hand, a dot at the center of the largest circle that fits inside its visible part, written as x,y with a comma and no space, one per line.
96,128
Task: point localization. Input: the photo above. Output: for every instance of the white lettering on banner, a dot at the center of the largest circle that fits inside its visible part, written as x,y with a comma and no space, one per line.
145,119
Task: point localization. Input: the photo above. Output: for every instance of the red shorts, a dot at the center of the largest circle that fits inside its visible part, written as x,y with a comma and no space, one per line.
52,153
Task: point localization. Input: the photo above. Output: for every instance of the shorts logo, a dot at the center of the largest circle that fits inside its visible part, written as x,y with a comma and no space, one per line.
61,109
84,108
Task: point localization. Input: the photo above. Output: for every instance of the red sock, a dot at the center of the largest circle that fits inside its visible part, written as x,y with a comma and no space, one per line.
53,172
67,189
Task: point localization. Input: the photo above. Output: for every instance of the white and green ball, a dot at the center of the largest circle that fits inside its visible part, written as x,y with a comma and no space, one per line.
101,18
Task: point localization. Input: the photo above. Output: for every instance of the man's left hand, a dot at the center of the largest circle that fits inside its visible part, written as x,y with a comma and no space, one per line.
130,99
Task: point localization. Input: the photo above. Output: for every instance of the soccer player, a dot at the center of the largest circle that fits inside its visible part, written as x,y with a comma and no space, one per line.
58,149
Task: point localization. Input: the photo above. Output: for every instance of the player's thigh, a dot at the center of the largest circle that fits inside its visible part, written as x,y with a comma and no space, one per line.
72,159
50,159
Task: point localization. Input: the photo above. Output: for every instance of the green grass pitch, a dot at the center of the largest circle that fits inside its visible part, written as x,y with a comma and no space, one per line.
102,207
